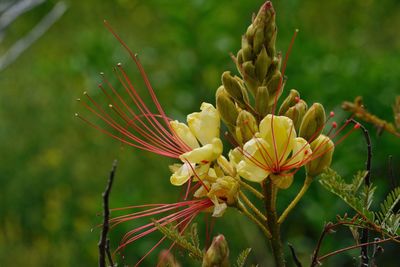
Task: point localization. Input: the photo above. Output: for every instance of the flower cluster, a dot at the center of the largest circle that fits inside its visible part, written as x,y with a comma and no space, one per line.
268,145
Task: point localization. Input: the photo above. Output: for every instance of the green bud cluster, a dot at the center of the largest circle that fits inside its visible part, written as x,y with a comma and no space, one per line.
257,60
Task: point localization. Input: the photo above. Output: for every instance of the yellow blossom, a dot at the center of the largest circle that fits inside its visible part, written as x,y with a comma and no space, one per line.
275,152
201,134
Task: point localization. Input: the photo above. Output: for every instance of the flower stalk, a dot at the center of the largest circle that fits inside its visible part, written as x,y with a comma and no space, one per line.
270,193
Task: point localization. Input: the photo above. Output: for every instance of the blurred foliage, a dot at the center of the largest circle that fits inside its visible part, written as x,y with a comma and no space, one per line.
53,168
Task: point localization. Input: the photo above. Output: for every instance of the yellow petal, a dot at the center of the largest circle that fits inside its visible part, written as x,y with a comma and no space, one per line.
182,175
219,208
281,181
205,124
279,132
183,132
204,154
301,153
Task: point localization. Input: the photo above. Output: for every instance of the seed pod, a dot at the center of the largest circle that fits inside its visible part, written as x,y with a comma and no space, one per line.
217,254
289,101
262,101
246,126
322,152
313,122
226,107
296,113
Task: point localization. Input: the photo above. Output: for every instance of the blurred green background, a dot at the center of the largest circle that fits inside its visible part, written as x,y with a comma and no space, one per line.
53,167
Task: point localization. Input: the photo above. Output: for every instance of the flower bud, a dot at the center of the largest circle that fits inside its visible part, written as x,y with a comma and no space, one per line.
258,41
226,189
262,64
246,126
217,254
166,259
262,101
234,87
226,107
322,151
296,113
313,122
289,101
275,86
249,76
246,50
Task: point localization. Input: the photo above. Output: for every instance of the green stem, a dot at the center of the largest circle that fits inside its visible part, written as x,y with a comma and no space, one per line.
251,189
270,192
244,210
252,207
303,190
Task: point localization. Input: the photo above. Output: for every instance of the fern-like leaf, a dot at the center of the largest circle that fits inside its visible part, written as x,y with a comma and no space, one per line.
241,260
175,236
386,217
349,193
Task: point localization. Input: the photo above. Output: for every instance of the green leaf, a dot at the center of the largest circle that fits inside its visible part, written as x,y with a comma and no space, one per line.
241,260
181,240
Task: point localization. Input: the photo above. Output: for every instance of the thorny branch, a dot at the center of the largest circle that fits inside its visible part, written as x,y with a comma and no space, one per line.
104,241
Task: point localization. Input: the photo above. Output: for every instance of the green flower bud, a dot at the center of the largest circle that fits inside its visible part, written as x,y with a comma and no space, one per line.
166,259
322,149
313,122
262,101
247,50
246,126
275,86
234,87
226,108
262,64
217,254
249,76
289,101
296,113
258,41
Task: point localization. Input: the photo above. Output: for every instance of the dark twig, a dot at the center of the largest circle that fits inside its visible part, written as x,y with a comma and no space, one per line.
104,242
367,181
357,246
294,256
328,229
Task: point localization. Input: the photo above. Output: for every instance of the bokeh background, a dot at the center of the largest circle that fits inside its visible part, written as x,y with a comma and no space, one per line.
53,167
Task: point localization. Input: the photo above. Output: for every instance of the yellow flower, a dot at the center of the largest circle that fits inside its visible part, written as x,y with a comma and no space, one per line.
275,152
201,134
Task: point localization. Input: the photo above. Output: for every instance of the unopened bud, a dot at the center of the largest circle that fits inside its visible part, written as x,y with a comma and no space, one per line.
322,152
217,254
226,107
246,126
296,113
313,122
262,64
289,101
258,40
275,86
166,259
249,75
235,88
262,101
247,50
